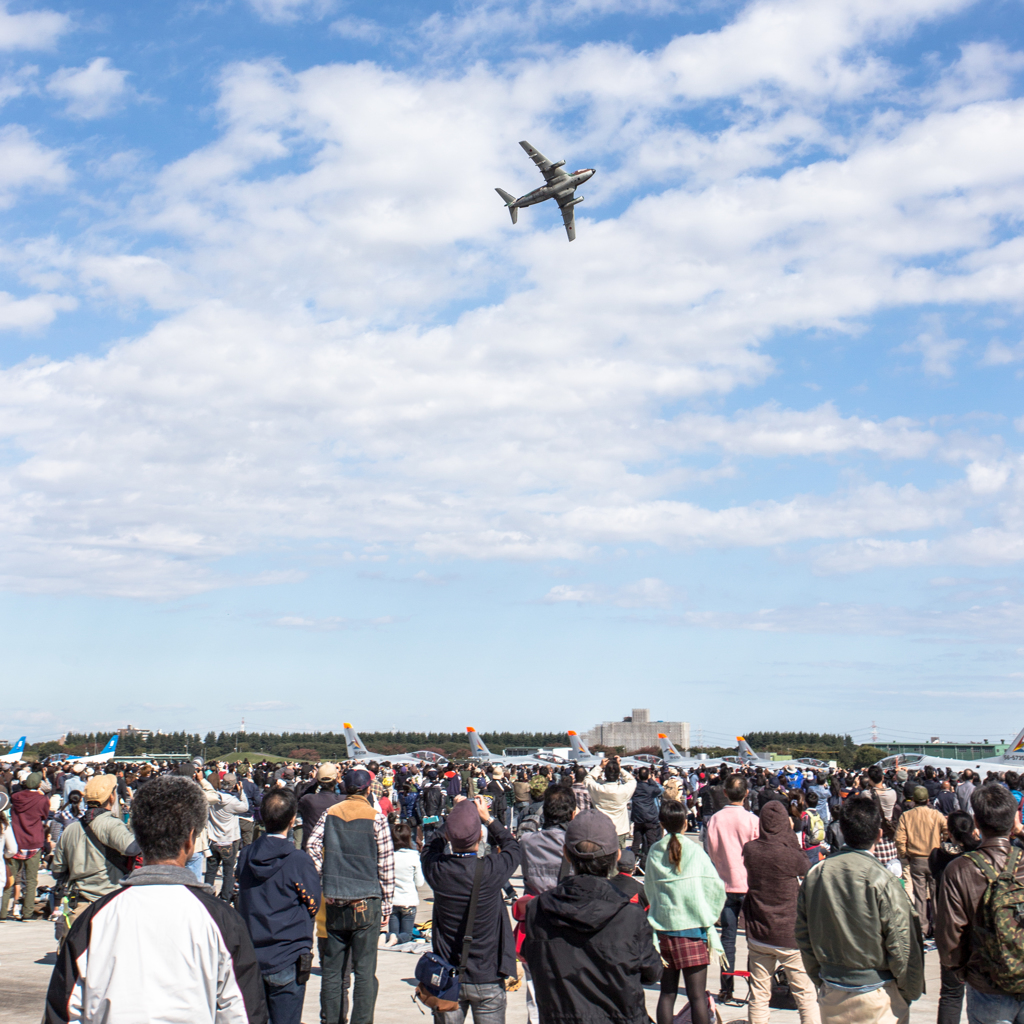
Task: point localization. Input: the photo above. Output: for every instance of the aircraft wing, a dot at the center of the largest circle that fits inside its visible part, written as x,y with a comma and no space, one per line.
569,219
542,162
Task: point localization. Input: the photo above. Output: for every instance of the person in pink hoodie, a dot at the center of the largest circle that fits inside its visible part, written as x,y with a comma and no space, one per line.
727,832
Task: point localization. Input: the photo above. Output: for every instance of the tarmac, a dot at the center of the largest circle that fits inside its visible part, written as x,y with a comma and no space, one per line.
27,956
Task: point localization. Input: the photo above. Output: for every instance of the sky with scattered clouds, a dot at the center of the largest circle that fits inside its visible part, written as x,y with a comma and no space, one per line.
296,424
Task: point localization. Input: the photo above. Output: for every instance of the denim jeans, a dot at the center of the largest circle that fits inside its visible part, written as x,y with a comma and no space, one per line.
487,1001
401,923
730,925
284,996
985,1009
351,947
226,855
28,890
951,997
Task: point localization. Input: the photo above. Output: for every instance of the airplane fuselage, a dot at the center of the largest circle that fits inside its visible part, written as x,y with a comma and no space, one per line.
554,189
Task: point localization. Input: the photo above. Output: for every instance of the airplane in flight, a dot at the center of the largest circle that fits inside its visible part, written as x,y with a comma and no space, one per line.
559,185
479,752
105,755
357,751
1012,758
14,754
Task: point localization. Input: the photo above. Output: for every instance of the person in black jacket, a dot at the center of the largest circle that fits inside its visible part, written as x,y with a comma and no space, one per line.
589,949
278,897
644,813
429,810
492,956
323,793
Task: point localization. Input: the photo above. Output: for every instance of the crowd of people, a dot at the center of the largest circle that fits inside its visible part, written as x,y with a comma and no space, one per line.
199,892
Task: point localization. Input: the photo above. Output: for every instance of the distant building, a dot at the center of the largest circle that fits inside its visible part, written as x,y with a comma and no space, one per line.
139,734
636,731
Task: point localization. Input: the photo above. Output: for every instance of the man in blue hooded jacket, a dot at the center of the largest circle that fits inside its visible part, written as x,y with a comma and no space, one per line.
278,897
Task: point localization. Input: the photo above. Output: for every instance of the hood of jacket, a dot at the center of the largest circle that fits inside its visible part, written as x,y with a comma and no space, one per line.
776,826
584,903
267,856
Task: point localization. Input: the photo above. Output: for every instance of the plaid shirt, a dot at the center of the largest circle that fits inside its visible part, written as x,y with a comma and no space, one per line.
385,861
582,797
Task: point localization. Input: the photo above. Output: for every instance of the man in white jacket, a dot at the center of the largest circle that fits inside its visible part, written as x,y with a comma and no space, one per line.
161,949
224,831
612,795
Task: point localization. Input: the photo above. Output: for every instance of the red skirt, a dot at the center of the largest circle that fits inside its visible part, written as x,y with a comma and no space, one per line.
679,952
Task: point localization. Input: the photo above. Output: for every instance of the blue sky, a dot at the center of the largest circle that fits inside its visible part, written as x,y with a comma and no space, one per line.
295,425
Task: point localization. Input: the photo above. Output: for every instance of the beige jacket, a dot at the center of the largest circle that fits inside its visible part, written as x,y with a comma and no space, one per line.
612,797
919,831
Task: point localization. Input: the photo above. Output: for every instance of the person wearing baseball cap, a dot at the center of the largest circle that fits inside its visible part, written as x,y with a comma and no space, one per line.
96,851
316,800
354,855
589,949
29,811
450,866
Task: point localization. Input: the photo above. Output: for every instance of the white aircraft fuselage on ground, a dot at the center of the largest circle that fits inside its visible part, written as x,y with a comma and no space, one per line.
358,752
1012,760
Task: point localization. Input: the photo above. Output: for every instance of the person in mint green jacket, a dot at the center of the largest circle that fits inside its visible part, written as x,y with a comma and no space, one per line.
687,898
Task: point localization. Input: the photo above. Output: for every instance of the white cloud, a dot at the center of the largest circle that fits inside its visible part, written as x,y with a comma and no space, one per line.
999,354
359,346
24,163
770,430
31,30
31,313
358,28
645,593
93,91
283,11
330,624
937,351
984,71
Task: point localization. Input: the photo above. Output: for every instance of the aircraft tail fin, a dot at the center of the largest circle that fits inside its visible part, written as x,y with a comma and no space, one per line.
1017,746
19,746
111,746
668,749
510,202
743,748
579,748
477,746
353,744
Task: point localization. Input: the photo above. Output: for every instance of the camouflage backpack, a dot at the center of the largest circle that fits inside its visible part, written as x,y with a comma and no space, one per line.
999,929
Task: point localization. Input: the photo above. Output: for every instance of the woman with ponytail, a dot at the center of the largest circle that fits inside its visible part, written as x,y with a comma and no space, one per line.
686,897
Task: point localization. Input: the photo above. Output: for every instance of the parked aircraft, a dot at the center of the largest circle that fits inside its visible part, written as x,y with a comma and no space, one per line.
14,754
105,755
479,752
582,755
357,751
1012,758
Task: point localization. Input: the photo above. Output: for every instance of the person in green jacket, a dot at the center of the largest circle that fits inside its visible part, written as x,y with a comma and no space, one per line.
687,898
858,933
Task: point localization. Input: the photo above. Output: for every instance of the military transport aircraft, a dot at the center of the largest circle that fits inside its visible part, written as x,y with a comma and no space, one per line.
558,184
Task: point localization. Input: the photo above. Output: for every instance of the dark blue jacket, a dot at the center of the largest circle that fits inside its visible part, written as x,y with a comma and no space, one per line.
254,795
278,897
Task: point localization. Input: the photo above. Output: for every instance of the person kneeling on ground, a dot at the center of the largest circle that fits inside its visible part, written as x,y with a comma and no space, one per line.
162,946
278,897
590,949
